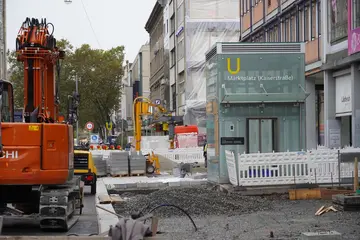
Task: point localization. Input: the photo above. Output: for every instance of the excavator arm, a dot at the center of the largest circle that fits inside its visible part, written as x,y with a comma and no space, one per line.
141,107
36,48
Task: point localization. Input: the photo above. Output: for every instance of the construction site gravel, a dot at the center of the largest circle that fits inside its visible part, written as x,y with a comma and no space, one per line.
232,216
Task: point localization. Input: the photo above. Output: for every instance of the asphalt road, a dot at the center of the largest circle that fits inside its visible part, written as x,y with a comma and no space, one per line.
86,225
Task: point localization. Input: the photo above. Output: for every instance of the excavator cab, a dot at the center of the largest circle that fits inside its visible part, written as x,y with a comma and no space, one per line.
84,166
7,101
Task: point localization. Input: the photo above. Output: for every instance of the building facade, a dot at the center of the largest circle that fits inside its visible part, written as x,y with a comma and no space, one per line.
158,79
194,27
140,72
293,21
341,73
135,83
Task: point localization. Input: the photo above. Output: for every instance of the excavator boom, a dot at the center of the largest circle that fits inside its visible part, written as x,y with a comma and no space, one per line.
36,48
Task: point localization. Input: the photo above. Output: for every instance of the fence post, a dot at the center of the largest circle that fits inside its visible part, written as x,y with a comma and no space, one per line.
356,175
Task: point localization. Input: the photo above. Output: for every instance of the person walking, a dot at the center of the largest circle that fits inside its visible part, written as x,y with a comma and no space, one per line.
205,153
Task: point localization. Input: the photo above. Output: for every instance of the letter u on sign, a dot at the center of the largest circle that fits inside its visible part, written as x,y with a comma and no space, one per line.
237,66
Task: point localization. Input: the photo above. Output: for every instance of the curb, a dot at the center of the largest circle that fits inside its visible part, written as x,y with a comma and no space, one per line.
105,219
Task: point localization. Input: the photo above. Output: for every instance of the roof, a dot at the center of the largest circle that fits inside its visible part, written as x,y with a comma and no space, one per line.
186,129
155,13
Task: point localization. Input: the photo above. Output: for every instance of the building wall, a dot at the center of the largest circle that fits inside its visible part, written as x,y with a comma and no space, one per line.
341,74
140,70
126,97
293,21
156,57
145,49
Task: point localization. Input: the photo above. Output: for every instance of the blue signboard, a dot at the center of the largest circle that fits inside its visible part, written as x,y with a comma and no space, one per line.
94,139
18,115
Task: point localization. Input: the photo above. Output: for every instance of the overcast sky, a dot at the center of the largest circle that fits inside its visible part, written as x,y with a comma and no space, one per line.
115,22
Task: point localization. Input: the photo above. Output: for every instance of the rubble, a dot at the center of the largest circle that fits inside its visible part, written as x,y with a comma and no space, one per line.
197,201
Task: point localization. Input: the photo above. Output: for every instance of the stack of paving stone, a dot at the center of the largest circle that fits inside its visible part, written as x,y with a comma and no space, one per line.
137,163
350,202
119,163
100,164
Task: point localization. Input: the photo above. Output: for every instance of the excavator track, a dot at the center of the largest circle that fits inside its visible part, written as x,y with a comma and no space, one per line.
61,205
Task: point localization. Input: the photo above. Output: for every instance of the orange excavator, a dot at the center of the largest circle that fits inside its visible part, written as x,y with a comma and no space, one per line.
36,156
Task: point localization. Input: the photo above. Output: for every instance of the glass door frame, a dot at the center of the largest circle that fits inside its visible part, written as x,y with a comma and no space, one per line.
275,135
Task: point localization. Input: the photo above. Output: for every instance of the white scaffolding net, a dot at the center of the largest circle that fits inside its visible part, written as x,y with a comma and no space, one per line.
206,22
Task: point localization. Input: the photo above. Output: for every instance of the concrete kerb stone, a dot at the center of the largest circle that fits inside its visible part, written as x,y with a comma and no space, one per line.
104,218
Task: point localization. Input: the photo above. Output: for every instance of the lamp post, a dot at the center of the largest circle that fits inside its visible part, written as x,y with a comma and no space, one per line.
77,110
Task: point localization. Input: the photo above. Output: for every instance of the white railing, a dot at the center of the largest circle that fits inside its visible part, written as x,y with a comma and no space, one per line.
281,168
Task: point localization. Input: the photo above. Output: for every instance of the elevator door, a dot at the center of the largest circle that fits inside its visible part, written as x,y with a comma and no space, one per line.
261,135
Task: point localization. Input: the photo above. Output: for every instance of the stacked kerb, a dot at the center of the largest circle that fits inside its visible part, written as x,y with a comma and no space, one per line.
137,163
119,163
100,164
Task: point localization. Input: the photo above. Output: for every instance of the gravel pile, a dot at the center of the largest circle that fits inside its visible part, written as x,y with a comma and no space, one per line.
199,201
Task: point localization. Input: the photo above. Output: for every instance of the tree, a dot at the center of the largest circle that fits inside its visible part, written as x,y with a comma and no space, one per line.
99,75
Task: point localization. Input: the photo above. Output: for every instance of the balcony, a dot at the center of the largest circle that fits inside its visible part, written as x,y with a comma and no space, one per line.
338,32
313,51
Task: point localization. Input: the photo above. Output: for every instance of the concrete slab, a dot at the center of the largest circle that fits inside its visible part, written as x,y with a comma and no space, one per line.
330,235
105,219
133,183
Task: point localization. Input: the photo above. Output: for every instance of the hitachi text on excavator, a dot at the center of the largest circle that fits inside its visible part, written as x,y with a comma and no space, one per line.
36,164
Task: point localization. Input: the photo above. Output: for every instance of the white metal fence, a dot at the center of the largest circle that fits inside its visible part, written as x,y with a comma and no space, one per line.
178,155
320,166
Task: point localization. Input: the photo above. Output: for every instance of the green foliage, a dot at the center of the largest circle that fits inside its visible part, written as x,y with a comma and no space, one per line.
99,74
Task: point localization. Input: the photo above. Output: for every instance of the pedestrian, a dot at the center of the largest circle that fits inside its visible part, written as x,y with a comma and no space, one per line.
205,153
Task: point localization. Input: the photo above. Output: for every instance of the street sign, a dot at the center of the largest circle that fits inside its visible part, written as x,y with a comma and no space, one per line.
157,101
94,138
89,126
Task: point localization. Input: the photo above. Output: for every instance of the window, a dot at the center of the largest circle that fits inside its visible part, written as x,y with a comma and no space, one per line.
181,50
7,103
172,25
356,13
173,91
172,58
306,24
313,21
319,17
338,20
167,25
269,3
293,29
180,14
273,34
301,26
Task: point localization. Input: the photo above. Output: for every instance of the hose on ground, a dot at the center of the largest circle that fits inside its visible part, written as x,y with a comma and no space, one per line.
177,207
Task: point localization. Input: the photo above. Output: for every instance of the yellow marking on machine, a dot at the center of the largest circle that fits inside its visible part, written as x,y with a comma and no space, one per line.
33,128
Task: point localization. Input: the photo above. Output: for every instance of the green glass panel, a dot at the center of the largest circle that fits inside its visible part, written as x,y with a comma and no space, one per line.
265,77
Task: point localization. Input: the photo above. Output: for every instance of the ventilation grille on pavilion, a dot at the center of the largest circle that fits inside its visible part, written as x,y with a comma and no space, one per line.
261,48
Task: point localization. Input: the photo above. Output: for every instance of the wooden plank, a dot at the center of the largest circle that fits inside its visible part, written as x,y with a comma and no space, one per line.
104,199
304,194
115,198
